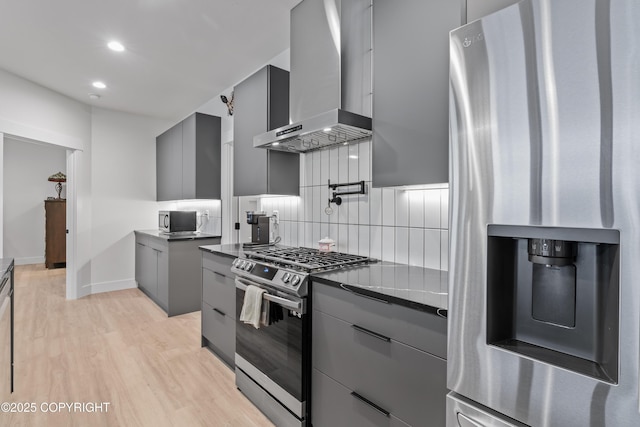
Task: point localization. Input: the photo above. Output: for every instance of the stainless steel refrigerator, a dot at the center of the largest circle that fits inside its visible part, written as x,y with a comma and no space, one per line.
544,274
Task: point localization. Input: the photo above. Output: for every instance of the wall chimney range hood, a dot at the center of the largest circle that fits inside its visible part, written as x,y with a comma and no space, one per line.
330,77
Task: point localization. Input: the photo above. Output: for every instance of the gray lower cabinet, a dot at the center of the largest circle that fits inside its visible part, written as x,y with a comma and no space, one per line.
370,367
261,103
188,159
218,306
168,271
411,90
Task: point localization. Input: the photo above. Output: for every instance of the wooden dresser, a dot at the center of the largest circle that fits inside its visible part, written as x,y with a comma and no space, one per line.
55,233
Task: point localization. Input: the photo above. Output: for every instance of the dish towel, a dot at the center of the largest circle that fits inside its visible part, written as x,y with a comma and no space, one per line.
252,306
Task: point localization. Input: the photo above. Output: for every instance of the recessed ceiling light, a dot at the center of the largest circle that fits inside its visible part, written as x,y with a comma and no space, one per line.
99,85
327,129
275,144
116,46
94,96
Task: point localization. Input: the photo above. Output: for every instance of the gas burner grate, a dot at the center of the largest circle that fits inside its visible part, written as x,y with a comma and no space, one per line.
308,259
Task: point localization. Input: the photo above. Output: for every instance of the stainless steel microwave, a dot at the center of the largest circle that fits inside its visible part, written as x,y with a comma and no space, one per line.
176,221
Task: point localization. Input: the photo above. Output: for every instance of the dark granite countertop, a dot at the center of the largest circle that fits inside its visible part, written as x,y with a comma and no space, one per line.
415,287
233,250
176,236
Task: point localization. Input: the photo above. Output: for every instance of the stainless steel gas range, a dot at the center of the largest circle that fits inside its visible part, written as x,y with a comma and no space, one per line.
273,362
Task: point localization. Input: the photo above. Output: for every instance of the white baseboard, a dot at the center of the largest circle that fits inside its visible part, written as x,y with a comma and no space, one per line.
116,285
29,260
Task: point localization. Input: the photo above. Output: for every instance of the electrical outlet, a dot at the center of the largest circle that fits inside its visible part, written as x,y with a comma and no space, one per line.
206,213
276,215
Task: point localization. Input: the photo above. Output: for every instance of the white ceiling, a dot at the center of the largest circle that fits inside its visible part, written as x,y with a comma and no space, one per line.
180,53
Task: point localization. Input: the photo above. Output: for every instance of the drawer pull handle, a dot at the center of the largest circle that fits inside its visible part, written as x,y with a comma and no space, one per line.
354,291
220,312
370,403
219,274
373,334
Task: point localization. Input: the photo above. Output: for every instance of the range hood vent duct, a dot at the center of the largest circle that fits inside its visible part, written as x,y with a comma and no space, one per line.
330,77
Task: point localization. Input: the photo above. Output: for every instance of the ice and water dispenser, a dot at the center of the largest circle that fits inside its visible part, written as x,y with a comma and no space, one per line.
553,295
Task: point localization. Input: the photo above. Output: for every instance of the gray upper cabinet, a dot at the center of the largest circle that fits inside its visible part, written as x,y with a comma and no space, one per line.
188,159
261,103
411,90
476,9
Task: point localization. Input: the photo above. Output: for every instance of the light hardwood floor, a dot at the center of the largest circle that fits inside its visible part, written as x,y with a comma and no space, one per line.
115,347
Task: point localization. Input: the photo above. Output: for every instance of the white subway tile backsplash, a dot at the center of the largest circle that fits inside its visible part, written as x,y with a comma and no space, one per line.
308,169
363,240
416,208
343,237
375,241
315,235
318,209
432,249
343,212
343,161
363,208
409,227
324,167
352,202
285,234
333,232
388,206
316,168
353,163
293,230
324,230
388,244
375,206
353,243
324,198
402,245
432,208
334,175
308,204
416,248
444,250
308,234
301,234
402,208
444,208
364,161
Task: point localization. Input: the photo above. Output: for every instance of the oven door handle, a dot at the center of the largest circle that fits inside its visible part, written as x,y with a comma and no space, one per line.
287,303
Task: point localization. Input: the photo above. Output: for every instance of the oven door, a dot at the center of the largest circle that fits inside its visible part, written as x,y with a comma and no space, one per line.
276,356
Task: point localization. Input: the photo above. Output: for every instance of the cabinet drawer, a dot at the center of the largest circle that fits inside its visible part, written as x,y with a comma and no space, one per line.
220,331
416,328
218,263
334,405
219,292
408,382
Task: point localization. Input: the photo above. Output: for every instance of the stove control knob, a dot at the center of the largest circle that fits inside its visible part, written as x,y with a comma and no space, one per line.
295,280
248,266
286,277
236,262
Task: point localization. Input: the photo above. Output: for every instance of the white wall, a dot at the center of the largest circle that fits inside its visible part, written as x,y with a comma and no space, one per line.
26,169
407,227
32,111
123,192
